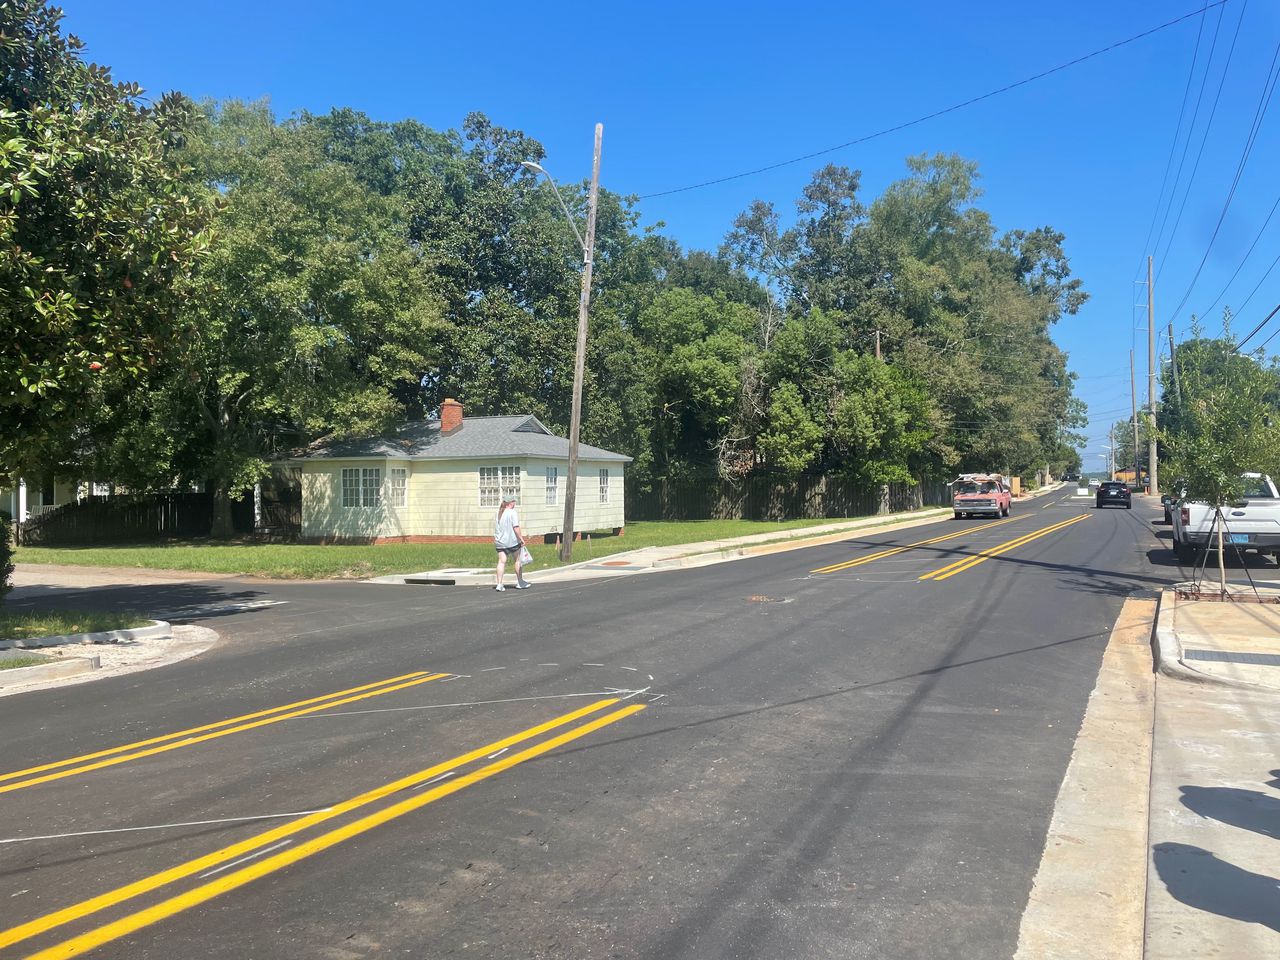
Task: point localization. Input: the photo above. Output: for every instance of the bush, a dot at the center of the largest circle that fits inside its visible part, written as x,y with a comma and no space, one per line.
6,558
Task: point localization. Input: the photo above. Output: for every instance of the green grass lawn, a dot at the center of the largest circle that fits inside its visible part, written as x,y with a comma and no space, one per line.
46,623
310,561
13,663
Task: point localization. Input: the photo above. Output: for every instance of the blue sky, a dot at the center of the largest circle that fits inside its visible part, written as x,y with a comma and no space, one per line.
689,92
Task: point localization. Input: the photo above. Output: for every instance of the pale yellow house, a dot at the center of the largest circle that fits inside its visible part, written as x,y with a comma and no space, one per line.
27,500
440,480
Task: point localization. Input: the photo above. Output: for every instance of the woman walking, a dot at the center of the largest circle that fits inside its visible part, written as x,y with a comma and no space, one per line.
508,541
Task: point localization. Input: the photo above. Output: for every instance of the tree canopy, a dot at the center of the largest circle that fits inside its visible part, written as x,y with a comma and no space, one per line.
355,271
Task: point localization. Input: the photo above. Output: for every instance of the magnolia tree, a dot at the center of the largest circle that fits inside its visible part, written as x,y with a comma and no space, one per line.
1225,425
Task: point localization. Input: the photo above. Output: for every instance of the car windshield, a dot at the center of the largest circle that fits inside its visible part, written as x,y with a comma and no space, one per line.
968,487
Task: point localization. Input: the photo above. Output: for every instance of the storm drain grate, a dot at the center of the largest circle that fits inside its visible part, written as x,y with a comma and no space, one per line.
1225,656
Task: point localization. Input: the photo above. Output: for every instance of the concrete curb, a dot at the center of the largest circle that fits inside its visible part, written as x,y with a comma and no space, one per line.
157,630
1167,649
49,671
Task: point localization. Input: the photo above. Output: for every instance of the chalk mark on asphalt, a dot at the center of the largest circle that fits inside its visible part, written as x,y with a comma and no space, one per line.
165,826
246,858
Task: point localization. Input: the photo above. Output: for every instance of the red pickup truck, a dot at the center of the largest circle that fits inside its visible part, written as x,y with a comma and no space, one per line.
974,494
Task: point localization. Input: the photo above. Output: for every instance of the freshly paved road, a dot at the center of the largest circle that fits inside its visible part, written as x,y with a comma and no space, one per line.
855,763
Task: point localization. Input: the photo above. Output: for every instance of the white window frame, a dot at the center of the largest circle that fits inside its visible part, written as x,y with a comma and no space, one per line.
398,486
604,485
490,489
350,483
510,480
370,486
361,487
553,481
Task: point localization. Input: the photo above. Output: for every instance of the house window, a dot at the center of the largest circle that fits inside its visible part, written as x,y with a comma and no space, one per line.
489,491
361,486
398,486
498,484
370,486
552,476
510,483
604,486
351,486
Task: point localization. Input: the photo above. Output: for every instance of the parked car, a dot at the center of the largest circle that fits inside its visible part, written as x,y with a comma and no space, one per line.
976,494
1114,493
1252,523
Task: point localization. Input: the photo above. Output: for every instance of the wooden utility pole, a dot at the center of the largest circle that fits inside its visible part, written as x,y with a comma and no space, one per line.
1133,397
878,345
580,358
1111,453
1153,467
1173,365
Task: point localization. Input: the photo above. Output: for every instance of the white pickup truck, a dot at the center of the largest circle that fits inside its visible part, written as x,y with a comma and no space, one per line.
1252,523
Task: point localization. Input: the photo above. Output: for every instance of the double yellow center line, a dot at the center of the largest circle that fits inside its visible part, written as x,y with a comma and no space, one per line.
968,563
72,766
836,567
125,925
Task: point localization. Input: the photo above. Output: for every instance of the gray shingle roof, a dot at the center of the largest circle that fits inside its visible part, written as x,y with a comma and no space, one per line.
477,438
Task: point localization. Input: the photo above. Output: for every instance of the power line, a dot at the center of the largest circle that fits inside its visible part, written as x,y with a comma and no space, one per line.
1254,332
937,113
1259,114
1204,137
1263,345
1177,133
1248,253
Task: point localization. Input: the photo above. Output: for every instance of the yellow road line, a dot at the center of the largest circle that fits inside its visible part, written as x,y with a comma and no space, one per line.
139,887
208,726
966,563
184,901
835,567
192,741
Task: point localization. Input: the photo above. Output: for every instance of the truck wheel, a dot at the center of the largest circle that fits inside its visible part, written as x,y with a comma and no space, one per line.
1128,506
1184,551
956,517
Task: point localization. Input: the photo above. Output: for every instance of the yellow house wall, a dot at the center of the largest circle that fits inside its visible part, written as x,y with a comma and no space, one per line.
323,514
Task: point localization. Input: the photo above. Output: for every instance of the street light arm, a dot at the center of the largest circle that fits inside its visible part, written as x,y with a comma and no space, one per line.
538,168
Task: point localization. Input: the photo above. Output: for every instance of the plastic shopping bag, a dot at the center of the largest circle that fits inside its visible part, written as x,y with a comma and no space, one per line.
525,556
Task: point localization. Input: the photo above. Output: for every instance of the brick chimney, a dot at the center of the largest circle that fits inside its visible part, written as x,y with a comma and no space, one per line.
450,416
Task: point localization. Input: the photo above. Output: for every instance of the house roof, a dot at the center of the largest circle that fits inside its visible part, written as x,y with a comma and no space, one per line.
478,438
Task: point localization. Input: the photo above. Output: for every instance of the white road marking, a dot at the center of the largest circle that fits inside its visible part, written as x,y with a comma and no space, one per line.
252,856
164,826
498,754
443,776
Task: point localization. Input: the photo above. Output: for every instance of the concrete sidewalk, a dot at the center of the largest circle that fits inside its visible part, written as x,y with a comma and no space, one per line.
653,559
1214,833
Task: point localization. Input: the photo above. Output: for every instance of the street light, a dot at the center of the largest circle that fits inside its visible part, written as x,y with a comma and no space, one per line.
580,356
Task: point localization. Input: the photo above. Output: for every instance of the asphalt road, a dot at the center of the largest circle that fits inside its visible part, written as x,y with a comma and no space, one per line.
748,760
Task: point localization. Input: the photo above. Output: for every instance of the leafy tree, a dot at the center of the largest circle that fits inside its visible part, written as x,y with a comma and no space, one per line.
6,558
792,441
881,421
97,228
1226,425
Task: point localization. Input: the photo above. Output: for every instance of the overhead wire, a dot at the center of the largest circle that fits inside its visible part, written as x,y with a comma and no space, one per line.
937,113
1177,134
1204,137
1264,102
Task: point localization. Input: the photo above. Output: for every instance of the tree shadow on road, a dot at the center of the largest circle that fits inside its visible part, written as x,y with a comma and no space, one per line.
1196,877
176,602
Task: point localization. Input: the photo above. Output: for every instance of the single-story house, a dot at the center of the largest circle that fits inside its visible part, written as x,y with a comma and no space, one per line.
442,480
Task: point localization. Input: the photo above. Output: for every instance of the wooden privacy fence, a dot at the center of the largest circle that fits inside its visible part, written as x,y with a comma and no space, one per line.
772,498
127,519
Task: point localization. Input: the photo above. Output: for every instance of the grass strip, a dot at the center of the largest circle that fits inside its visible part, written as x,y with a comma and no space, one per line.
289,561
53,623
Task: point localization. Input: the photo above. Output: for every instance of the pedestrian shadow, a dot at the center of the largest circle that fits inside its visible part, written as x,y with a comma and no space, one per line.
1196,877
1246,809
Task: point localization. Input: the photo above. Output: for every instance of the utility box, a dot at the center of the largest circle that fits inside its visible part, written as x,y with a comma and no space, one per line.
1015,486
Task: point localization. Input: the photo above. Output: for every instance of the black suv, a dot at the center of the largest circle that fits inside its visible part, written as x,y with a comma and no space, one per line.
1113,493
